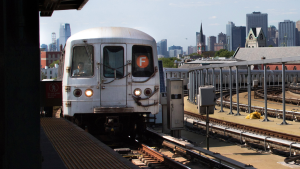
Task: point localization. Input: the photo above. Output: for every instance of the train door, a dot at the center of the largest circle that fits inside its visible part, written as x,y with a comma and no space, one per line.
113,75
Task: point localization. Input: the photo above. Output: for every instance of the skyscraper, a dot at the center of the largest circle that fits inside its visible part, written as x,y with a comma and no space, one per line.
229,27
162,48
222,38
211,40
238,37
257,19
64,33
298,29
272,40
190,50
53,45
45,47
287,33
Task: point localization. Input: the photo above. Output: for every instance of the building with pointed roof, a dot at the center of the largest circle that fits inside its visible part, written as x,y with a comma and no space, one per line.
201,43
256,38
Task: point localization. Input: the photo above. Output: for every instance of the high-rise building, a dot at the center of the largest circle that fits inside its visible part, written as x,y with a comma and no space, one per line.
201,43
257,19
190,50
45,47
211,40
238,37
222,38
64,33
272,40
53,45
298,29
162,48
229,27
287,33
175,50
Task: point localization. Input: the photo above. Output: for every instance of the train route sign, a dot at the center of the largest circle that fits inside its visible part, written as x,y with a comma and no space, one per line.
53,91
142,61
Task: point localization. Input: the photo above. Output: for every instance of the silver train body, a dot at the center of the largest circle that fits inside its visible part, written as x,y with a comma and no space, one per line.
111,71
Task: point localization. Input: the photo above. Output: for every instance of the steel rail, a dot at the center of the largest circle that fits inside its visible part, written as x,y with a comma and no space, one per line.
189,148
162,158
242,127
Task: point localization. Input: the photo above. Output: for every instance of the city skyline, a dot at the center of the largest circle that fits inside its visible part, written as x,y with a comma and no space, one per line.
159,18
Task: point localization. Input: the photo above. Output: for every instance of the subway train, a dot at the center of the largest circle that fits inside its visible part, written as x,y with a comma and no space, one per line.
110,80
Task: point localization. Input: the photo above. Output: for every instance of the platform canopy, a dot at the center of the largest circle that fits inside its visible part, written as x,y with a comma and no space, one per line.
48,6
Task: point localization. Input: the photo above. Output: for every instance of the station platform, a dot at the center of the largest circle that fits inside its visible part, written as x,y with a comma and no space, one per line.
258,160
65,145
273,124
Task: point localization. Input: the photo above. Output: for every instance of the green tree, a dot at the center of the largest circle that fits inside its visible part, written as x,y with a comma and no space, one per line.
194,54
224,53
168,62
270,45
53,63
43,75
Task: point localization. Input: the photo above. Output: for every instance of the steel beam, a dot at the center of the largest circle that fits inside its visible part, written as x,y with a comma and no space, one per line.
221,89
265,94
249,88
237,93
230,87
283,95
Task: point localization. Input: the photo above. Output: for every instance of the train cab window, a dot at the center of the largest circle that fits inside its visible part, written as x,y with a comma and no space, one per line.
83,61
142,61
113,59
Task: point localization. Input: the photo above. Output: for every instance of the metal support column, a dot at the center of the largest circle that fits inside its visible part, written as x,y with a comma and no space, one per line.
265,94
230,87
221,89
207,77
249,88
193,87
283,95
237,93
244,80
190,84
202,78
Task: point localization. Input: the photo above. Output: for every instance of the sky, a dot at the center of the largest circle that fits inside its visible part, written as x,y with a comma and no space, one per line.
174,20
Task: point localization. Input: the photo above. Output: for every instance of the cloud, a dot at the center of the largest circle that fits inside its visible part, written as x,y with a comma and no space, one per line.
289,13
213,17
214,24
194,4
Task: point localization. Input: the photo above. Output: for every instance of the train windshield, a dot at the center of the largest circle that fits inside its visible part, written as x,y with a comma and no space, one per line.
113,58
142,61
83,61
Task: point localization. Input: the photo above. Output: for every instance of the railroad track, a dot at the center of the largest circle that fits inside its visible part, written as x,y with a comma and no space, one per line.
263,138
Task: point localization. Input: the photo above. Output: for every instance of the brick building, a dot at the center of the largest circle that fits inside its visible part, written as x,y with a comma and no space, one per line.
48,57
288,66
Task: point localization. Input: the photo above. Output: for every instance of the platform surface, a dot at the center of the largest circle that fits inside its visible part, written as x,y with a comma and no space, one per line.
293,128
79,149
258,160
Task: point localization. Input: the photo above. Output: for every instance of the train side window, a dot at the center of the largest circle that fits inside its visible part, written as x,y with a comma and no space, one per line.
83,61
113,59
142,61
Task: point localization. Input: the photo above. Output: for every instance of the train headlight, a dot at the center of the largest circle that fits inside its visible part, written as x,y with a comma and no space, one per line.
89,92
137,92
77,92
147,92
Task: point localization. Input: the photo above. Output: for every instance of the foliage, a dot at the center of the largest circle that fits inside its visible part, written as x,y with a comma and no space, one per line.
270,45
194,54
208,54
53,63
168,62
224,53
43,75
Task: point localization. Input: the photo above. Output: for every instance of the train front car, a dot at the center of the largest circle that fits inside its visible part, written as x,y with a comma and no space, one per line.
111,80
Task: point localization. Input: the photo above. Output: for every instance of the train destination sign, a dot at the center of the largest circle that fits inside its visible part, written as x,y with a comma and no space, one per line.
142,61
